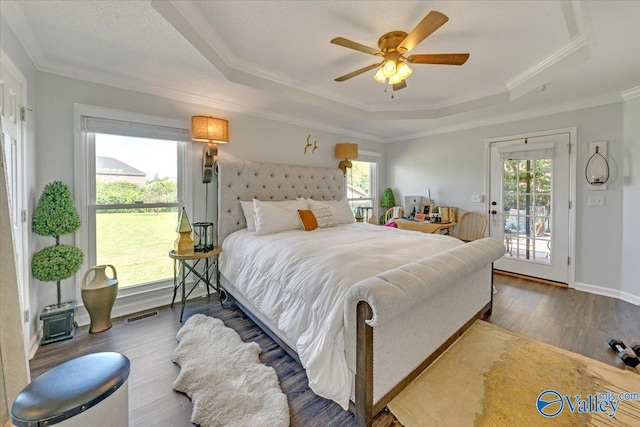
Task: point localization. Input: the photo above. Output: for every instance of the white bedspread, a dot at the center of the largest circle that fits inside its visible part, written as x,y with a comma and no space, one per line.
299,281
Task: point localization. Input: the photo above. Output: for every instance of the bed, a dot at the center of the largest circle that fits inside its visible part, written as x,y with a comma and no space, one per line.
362,319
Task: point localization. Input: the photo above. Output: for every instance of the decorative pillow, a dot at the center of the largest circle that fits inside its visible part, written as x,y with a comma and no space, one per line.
324,217
340,209
274,218
250,215
308,219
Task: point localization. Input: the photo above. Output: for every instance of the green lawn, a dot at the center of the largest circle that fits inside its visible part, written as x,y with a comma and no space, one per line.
137,245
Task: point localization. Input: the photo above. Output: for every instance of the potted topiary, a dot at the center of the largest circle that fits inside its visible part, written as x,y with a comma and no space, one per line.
388,201
56,214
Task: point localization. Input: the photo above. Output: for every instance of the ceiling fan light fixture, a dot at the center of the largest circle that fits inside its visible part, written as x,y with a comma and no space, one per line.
389,68
403,70
379,76
395,79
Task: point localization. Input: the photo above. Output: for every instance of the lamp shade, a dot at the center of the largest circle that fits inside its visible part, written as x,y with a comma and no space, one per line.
345,150
209,129
379,76
403,70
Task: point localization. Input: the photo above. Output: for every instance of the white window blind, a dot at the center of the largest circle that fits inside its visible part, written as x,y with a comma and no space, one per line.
527,152
134,129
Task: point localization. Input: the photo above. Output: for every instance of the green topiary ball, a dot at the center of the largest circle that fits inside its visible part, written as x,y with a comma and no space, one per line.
55,263
388,201
55,213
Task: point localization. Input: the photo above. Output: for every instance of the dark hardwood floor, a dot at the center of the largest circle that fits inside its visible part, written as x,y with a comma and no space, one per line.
576,321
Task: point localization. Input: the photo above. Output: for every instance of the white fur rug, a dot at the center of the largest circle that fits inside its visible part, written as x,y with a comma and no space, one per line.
224,378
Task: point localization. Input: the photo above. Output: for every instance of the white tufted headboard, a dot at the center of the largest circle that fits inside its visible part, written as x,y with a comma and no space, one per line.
240,180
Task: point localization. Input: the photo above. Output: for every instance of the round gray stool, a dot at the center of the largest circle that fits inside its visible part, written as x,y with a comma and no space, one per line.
90,390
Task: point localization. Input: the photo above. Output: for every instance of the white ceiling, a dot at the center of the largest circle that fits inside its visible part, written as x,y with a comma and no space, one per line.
273,58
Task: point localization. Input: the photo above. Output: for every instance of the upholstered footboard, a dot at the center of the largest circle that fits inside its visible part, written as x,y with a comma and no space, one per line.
399,321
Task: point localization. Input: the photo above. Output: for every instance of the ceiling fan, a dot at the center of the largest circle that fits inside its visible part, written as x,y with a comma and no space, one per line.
394,45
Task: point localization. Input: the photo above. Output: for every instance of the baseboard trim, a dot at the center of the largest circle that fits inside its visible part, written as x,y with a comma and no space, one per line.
531,278
608,292
134,303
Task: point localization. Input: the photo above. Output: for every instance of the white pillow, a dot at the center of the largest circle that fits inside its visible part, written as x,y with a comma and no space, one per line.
325,217
250,213
274,218
340,209
342,212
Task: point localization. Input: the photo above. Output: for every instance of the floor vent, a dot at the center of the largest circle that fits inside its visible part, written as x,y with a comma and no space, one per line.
140,317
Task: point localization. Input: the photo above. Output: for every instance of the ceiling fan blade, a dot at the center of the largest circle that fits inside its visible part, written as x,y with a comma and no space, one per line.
400,85
356,73
439,58
424,29
341,41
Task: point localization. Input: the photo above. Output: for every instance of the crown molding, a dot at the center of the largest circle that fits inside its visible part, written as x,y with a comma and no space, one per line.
159,89
574,52
506,118
572,13
629,94
13,15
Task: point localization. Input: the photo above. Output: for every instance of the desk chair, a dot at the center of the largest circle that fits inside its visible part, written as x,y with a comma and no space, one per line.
395,212
471,226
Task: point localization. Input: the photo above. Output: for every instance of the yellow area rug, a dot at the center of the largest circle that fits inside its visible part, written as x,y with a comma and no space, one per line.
494,377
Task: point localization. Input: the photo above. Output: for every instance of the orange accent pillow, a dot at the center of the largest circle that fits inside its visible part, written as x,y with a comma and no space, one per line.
308,219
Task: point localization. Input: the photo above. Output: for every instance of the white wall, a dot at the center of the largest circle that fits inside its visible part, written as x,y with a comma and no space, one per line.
251,138
631,210
453,166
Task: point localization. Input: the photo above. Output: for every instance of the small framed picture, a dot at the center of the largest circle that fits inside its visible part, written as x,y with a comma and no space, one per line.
426,207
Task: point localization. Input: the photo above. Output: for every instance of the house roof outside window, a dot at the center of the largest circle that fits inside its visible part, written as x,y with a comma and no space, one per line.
113,166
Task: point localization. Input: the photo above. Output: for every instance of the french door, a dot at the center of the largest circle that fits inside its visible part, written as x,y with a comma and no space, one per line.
529,205
12,99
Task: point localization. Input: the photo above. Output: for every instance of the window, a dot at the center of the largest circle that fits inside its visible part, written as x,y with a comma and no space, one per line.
134,188
362,187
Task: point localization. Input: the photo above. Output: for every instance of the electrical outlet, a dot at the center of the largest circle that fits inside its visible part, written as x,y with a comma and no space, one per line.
596,200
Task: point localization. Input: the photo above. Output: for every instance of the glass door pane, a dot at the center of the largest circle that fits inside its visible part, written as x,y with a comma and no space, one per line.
526,200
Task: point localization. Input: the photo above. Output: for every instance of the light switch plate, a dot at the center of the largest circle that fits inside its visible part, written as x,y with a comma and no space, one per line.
596,200
477,198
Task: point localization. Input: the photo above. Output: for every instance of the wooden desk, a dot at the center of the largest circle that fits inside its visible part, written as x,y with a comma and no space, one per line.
425,226
182,270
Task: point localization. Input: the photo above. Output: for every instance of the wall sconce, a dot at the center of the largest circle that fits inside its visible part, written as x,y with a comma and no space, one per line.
596,171
212,131
346,151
